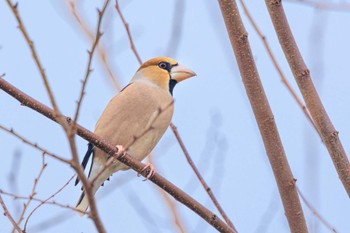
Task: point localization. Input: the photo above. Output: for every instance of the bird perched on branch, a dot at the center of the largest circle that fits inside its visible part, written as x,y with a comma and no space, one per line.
135,119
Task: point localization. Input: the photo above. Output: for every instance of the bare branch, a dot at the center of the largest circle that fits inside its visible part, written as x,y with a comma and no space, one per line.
278,68
302,76
264,116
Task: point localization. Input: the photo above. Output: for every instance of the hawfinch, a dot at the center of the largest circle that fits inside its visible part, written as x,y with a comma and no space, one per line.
136,118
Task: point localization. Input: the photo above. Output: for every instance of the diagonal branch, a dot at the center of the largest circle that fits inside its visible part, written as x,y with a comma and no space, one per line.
313,102
264,116
110,149
8,215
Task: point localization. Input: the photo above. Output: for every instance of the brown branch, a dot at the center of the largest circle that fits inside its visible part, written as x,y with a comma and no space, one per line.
316,214
302,76
126,25
36,146
110,149
264,117
278,68
45,201
91,54
200,178
8,215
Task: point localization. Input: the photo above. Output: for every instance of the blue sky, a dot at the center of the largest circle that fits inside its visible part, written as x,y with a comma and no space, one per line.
212,113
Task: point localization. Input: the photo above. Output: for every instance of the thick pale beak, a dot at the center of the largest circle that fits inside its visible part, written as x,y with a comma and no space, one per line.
180,73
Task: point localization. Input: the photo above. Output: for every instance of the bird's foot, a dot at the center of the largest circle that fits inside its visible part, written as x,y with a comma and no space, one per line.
151,173
121,151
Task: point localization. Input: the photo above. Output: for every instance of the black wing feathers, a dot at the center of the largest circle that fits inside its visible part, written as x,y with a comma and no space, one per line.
89,152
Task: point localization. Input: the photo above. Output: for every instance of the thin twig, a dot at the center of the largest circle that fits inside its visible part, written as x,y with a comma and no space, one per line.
111,150
45,201
8,215
315,213
126,25
36,146
303,78
33,193
200,178
264,116
278,68
91,54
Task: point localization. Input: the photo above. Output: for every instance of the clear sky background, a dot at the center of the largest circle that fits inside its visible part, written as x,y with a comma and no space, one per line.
212,113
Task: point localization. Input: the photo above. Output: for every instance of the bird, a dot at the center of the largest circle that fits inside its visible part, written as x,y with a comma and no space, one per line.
135,119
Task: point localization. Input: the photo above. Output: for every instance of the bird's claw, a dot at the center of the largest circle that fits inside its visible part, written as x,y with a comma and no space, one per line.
121,151
151,173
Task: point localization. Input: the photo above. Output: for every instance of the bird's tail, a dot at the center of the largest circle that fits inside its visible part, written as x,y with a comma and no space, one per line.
83,202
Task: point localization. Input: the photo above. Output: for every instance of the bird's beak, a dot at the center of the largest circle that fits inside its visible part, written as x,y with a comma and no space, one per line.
180,73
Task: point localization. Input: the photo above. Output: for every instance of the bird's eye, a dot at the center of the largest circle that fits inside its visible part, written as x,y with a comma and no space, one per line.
164,66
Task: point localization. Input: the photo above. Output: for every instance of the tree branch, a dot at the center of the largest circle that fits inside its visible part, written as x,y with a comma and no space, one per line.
263,115
313,102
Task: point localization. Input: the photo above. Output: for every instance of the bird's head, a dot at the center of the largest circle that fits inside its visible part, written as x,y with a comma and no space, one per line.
164,72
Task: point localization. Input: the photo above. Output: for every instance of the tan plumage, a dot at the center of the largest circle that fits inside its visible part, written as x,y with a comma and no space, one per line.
146,103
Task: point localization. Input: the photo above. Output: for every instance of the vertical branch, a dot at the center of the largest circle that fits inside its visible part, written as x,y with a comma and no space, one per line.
313,102
264,117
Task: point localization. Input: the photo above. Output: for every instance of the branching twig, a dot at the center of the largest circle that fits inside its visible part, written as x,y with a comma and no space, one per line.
45,201
263,115
302,76
110,149
8,215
